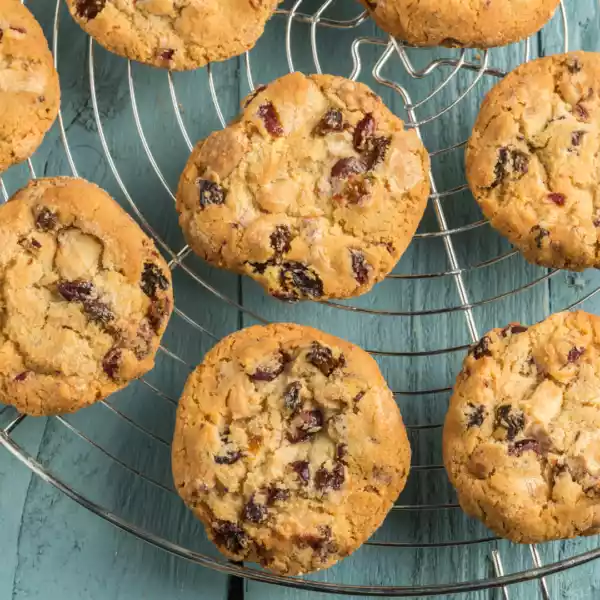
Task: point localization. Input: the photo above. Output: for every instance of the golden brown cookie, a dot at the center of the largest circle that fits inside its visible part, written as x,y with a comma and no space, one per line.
29,87
289,447
174,34
456,23
531,161
84,298
315,191
522,435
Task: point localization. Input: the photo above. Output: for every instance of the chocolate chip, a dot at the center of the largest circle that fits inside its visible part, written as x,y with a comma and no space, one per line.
269,372
277,494
304,425
476,415
270,118
153,279
35,244
230,535
76,291
510,161
211,193
22,376
255,513
364,131
291,396
518,448
281,239
580,112
576,138
228,458
166,54
575,353
111,361
89,9
45,219
345,167
322,357
481,349
330,480
330,122
513,422
357,190
558,199
540,234
360,267
302,469
298,280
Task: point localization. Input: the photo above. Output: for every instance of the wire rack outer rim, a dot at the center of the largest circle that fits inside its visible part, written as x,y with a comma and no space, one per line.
538,572
291,582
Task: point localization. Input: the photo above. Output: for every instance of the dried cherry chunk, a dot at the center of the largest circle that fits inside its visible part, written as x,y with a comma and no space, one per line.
277,494
302,469
291,396
76,291
334,479
269,372
558,199
539,234
298,280
281,239
360,267
331,121
270,118
575,353
576,138
254,512
482,348
153,280
89,9
521,446
228,458
166,54
377,151
345,167
98,311
476,415
304,425
45,219
512,421
230,535
111,362
364,131
322,357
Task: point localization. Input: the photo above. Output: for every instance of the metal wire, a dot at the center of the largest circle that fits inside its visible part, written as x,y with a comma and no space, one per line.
451,73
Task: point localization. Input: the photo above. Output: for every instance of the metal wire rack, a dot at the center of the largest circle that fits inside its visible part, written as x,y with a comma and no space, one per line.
427,86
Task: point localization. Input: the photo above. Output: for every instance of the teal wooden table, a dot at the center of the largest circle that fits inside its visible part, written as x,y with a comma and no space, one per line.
117,454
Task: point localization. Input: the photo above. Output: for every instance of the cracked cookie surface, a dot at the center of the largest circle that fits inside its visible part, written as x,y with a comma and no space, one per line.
522,435
174,34
456,23
289,447
29,87
315,191
532,161
84,297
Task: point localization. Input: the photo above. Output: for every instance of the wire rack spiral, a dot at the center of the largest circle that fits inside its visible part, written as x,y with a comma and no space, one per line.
459,294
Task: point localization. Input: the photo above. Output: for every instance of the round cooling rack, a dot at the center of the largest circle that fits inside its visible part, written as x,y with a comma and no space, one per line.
131,128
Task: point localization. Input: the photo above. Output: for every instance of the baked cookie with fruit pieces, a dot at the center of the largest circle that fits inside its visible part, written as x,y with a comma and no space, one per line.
289,447
456,23
29,87
531,160
522,435
174,34
315,191
84,297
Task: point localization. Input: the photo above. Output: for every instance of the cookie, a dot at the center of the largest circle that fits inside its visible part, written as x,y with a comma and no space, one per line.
531,160
522,435
289,447
315,191
174,34
456,23
29,87
84,299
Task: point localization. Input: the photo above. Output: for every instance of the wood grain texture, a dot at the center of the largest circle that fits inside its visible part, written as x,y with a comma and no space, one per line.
55,549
